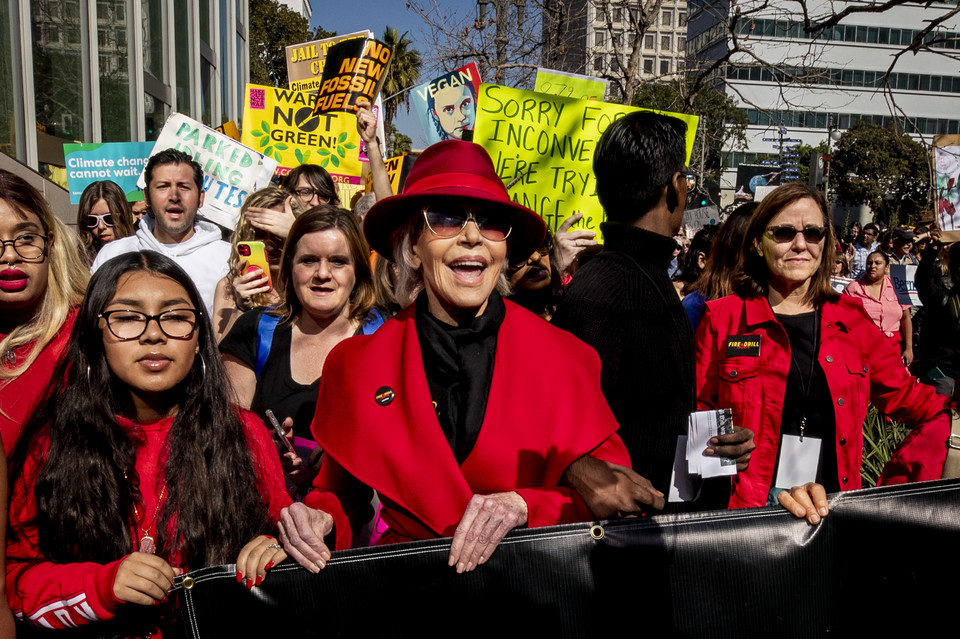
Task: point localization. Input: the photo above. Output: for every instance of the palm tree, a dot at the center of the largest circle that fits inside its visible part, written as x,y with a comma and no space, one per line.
403,74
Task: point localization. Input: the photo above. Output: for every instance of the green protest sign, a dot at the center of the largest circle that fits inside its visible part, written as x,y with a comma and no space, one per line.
544,144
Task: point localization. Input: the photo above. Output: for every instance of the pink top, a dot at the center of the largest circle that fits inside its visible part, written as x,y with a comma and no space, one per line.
885,312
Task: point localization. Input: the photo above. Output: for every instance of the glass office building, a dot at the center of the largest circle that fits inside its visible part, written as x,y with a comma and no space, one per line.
114,71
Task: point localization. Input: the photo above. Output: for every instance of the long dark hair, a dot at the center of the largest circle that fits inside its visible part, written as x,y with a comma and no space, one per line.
87,486
717,277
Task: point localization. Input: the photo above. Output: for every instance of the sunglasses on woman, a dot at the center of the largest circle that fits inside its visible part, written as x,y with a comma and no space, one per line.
94,220
786,233
449,221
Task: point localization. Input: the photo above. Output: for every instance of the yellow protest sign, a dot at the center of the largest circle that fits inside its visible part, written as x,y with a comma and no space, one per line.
544,144
305,61
280,123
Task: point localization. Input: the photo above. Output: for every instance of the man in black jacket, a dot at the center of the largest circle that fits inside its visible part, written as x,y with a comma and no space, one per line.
623,304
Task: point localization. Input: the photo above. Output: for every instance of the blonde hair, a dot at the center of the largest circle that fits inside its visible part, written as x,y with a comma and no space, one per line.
266,198
66,282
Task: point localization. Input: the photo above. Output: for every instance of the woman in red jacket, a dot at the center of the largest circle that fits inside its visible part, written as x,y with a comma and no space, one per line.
450,411
797,362
135,468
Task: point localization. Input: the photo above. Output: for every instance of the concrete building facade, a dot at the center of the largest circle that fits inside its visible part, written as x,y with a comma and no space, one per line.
784,78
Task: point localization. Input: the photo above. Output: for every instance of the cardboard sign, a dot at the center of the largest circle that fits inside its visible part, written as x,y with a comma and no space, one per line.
698,218
570,85
546,143
231,171
355,69
120,162
281,124
305,61
904,278
447,105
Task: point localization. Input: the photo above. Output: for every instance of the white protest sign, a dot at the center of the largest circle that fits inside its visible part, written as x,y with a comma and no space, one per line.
903,277
231,170
701,217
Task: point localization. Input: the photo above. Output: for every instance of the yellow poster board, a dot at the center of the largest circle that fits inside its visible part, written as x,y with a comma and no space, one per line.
280,123
544,145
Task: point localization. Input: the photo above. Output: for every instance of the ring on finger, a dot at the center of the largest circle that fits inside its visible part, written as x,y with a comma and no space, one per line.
276,546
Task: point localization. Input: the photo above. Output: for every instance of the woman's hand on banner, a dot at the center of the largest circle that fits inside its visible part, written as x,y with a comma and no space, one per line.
487,519
302,531
806,502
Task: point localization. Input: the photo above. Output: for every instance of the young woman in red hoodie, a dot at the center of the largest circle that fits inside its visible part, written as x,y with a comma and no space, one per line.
135,468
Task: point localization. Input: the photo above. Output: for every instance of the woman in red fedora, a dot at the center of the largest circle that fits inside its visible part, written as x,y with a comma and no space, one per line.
451,411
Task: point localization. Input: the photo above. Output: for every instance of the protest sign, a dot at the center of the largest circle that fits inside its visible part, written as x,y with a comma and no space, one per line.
305,61
751,177
904,278
120,162
570,85
355,69
231,171
280,123
397,170
546,144
229,129
700,217
447,105
946,160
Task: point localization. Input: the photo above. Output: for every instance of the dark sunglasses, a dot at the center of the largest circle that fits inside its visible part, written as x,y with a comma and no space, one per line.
93,220
448,222
787,233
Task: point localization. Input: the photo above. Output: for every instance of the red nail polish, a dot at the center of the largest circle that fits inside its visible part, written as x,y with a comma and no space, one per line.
239,577
258,581
249,584
269,565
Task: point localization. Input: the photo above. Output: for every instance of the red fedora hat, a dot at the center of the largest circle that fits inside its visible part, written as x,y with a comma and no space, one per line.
452,170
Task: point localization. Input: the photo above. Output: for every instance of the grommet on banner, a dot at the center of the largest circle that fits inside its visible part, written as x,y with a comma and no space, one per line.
188,583
596,531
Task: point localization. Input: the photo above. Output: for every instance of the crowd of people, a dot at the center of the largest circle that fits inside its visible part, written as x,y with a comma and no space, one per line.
287,391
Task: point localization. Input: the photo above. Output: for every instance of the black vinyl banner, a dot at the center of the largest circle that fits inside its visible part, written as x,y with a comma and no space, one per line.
878,565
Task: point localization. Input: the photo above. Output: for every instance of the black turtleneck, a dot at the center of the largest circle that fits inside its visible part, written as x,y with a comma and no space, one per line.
458,361
623,304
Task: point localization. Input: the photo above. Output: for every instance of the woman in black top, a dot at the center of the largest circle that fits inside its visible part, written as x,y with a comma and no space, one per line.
274,357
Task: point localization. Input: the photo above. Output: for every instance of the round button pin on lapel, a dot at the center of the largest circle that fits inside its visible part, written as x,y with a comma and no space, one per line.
384,395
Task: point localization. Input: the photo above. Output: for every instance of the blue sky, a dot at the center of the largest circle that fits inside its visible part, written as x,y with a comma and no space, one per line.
355,15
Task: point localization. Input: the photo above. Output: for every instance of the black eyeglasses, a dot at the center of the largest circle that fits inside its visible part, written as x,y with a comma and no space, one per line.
306,194
449,222
94,220
175,324
786,233
29,246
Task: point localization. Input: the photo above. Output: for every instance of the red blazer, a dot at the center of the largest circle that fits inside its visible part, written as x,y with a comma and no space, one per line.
545,409
860,366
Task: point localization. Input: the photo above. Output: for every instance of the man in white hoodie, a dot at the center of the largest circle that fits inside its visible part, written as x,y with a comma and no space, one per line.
174,193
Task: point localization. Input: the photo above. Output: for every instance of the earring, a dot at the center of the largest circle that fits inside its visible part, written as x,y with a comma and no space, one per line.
203,369
88,374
